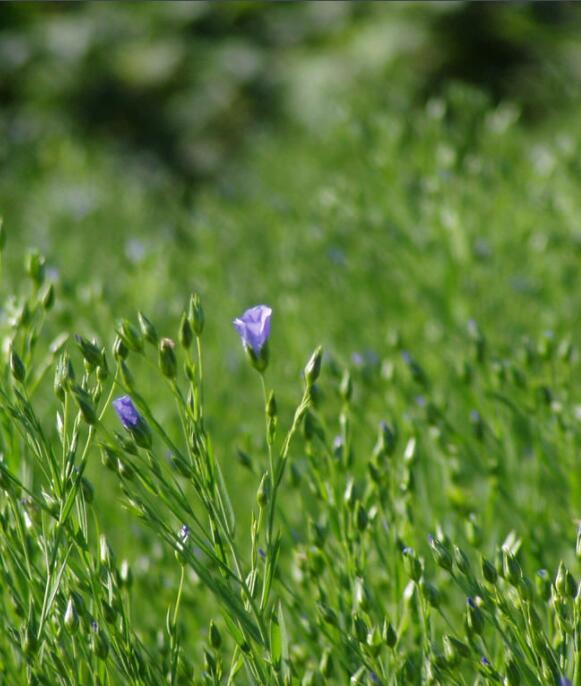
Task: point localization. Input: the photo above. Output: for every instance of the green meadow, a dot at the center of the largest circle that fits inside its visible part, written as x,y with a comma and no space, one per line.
381,484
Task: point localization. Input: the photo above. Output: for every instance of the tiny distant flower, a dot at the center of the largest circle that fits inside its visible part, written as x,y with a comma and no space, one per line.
184,533
338,442
374,678
484,661
357,359
132,421
253,327
262,553
565,682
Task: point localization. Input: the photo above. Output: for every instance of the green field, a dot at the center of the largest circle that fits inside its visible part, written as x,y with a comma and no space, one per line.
401,505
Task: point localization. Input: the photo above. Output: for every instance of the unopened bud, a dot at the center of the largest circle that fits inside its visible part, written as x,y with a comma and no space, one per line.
388,633
474,616
71,618
271,409
489,571
511,568
185,332
130,336
263,491
214,637
412,564
313,368
35,266
543,584
167,358
326,665
431,593
461,560
148,330
346,387
47,298
85,405
105,552
120,350
125,574
90,352
197,314
17,367
99,642
442,555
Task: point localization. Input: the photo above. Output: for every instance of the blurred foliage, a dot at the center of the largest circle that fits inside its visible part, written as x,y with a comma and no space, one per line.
184,83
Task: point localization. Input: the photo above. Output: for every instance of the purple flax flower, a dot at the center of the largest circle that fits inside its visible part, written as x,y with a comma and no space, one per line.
127,412
254,327
133,421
